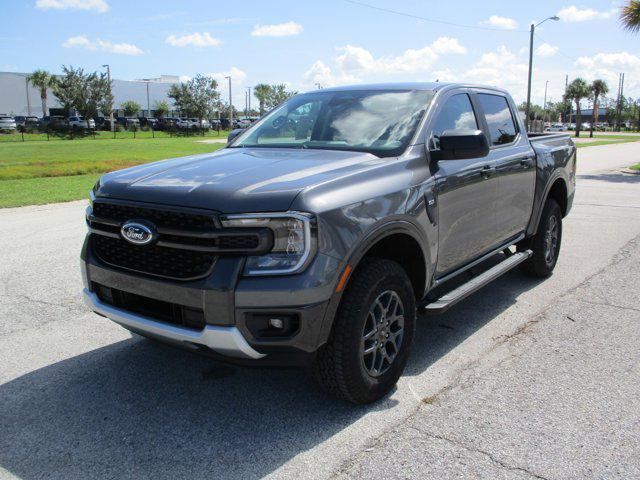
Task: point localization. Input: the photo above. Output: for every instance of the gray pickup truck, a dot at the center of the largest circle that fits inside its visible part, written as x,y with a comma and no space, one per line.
316,235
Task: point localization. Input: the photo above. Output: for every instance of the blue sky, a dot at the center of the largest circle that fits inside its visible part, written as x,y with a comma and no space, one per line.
331,42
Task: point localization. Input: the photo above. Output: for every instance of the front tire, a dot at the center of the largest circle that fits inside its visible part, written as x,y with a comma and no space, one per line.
545,244
372,334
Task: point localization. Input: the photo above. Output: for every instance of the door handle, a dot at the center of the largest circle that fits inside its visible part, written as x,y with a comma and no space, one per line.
525,162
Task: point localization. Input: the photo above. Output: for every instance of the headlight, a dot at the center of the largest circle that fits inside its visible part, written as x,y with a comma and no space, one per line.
92,193
294,241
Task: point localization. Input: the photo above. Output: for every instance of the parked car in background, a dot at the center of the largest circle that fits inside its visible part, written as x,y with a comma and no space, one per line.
53,123
216,124
26,122
205,124
7,123
167,123
128,122
557,127
310,240
150,122
241,123
80,123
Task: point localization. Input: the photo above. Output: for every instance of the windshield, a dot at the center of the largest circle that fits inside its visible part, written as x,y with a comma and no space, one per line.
375,121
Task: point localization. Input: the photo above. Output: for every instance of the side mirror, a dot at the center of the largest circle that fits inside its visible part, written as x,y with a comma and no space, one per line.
233,134
462,144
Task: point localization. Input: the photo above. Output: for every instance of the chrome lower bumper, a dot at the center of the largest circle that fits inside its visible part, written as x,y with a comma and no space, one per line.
224,340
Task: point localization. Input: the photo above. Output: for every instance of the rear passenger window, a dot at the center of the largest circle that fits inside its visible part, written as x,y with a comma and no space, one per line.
502,128
456,114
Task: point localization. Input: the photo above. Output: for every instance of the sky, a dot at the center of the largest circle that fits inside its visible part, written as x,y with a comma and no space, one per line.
332,42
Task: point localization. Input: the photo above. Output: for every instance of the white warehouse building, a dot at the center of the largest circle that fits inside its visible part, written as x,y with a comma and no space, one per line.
18,97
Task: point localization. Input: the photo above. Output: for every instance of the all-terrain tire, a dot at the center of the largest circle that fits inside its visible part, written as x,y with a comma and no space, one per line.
545,244
341,367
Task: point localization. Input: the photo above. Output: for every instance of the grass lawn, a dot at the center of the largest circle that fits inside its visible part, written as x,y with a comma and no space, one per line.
608,140
40,172
635,167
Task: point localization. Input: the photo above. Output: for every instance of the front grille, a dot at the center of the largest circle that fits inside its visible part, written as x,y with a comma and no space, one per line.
163,311
161,218
155,260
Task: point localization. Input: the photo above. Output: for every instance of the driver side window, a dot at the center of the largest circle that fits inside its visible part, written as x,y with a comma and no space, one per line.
456,114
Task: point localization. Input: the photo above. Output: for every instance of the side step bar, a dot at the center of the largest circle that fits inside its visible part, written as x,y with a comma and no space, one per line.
449,299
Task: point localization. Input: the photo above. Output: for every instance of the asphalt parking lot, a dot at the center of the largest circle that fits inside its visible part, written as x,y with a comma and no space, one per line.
525,379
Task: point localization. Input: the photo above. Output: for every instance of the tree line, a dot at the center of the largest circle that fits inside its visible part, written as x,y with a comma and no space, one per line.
578,90
90,94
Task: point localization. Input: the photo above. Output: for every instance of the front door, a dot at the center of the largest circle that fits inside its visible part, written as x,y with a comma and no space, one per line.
466,191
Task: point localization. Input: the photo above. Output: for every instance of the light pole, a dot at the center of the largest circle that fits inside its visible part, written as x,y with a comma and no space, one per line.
249,100
544,105
113,127
230,105
533,29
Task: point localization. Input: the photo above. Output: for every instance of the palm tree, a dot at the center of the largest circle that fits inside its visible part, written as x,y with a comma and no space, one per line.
576,91
262,92
630,16
598,87
42,80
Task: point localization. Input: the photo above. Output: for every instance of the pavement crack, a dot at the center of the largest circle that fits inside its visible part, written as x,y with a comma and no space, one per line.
613,305
489,455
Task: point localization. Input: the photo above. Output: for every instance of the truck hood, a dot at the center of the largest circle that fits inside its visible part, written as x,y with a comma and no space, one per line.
233,180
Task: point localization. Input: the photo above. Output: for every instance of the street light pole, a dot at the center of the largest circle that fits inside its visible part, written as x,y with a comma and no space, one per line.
533,29
230,105
544,105
249,100
148,103
113,127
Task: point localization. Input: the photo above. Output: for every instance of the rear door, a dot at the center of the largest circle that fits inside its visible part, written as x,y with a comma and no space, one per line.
514,160
466,189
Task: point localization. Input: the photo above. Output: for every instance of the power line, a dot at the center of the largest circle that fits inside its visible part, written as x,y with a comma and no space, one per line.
418,17
558,49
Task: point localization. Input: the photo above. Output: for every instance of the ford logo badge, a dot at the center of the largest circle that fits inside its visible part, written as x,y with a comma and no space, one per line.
137,233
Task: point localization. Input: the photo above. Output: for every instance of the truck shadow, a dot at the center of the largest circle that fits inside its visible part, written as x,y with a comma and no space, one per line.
135,409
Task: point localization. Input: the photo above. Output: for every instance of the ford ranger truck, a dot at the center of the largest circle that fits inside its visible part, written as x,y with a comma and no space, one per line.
317,234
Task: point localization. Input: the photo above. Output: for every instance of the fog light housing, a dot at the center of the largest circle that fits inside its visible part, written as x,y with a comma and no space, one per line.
272,325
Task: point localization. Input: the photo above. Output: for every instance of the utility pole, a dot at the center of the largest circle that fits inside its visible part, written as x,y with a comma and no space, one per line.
26,81
532,31
230,104
148,103
249,99
113,127
544,105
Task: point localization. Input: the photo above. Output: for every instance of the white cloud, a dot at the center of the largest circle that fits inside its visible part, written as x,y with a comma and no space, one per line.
546,50
196,39
355,64
98,5
500,68
574,14
319,73
237,76
501,22
445,75
277,30
353,58
607,66
81,41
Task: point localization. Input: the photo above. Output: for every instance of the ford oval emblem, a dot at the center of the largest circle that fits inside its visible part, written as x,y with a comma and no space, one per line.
137,233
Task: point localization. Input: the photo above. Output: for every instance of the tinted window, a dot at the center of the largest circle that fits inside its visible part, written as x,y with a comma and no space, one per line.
456,114
499,119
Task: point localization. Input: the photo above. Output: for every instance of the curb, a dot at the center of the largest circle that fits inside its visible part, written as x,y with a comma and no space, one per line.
629,171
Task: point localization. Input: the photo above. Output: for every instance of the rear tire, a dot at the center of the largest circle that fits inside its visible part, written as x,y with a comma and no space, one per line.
545,244
372,334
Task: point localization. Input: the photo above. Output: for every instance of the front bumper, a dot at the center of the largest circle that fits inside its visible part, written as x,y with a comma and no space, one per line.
224,340
228,302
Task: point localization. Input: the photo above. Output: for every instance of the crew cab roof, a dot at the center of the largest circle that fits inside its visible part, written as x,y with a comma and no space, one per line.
430,86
